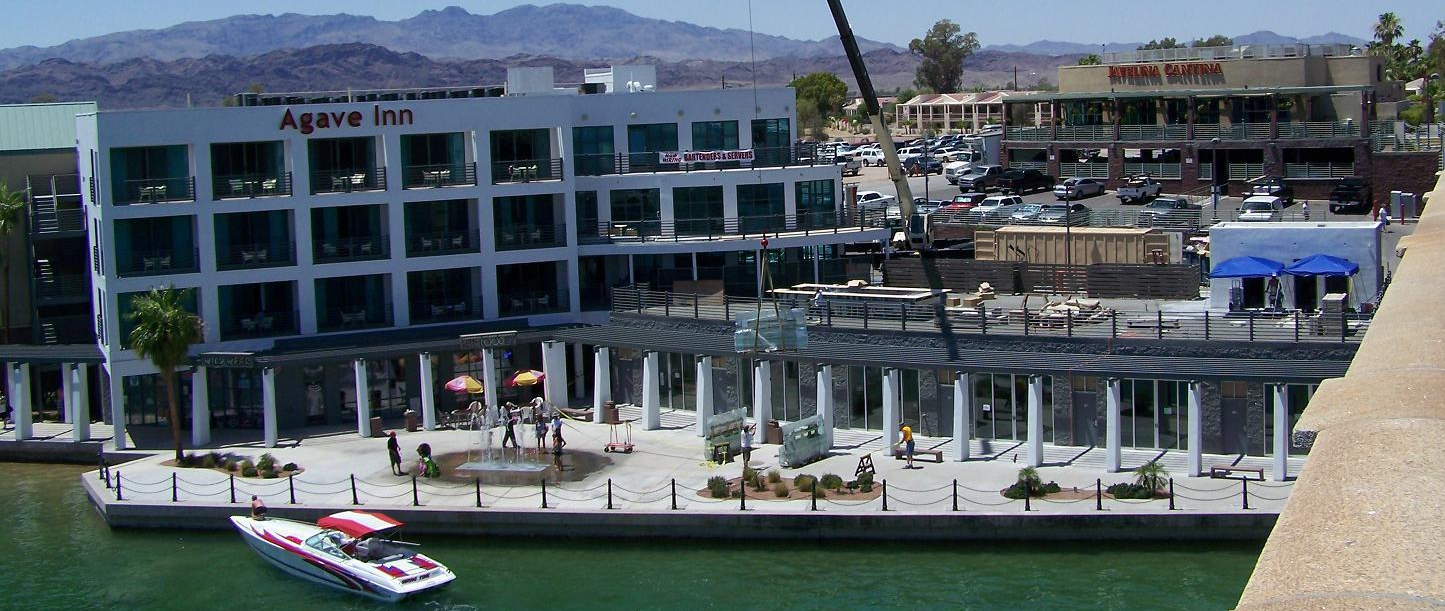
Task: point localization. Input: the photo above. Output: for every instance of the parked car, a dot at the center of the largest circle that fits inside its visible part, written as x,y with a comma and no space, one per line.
872,156
963,202
1352,195
918,166
1060,214
1169,212
926,206
998,207
852,166
1026,213
980,178
1138,189
1261,208
1024,181
1275,186
868,200
1078,188
909,152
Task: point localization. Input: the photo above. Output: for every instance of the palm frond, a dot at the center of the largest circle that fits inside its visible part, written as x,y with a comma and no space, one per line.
164,329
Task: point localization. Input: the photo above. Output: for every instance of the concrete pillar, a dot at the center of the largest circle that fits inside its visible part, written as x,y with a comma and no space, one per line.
19,395
65,392
363,398
428,392
1036,421
77,401
651,399
1112,433
602,382
268,405
962,415
704,394
554,366
1196,429
825,402
892,406
200,407
762,392
117,411
1281,432
490,388
579,372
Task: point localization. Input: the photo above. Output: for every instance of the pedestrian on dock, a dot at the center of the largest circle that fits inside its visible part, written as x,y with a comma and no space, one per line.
393,452
258,509
907,443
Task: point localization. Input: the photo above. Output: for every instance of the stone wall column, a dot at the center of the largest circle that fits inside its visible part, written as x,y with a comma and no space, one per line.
77,401
116,391
892,406
704,394
826,408
268,405
554,370
762,392
65,393
1112,433
1196,429
1281,432
200,406
20,404
1036,421
962,415
428,392
601,383
651,397
363,398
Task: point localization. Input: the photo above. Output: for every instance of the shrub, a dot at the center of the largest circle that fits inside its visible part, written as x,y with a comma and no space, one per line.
717,486
780,490
748,474
774,477
218,457
759,482
209,461
267,461
247,465
1051,488
1151,476
232,465
269,474
248,471
290,466
185,460
831,481
1124,490
865,482
818,492
805,482
1014,491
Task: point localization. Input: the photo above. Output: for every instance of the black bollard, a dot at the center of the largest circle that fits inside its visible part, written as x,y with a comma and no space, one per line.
1027,496
885,489
1171,494
544,493
354,500
1098,494
117,486
674,493
609,493
232,478
478,482
1244,493
743,498
415,501
955,494
173,488
291,484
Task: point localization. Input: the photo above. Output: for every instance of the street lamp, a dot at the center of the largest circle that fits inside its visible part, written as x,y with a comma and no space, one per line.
1429,100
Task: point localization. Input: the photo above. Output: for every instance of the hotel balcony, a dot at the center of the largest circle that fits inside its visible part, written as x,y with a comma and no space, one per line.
251,185
253,256
526,170
519,237
441,243
155,190
271,323
533,302
429,311
337,250
353,318
709,229
439,175
349,180
1259,130
645,163
157,262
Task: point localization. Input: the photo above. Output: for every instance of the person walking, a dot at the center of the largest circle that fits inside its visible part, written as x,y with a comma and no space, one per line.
1305,209
907,443
748,443
511,429
393,452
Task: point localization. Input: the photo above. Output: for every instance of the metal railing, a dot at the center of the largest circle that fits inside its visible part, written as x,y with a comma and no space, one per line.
62,286
250,185
156,190
426,311
349,180
1028,133
642,163
157,262
1071,169
441,243
248,325
49,219
518,237
352,318
1319,129
439,175
1041,166
1228,52
526,170
1092,133
1185,220
1286,326
1173,131
351,249
527,303
1319,170
1156,170
262,254
1245,171
735,228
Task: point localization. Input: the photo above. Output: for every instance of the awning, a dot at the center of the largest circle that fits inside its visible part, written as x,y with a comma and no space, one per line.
1246,267
1323,265
358,523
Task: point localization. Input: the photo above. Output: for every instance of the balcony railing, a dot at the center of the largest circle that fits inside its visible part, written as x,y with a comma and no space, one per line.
1157,170
250,256
157,262
517,237
1041,166
1319,129
439,175
775,225
441,243
526,170
1245,171
1319,170
347,181
1173,131
240,186
1083,170
528,303
642,163
429,311
47,219
353,318
1028,133
1092,133
260,324
63,286
72,329
351,249
156,190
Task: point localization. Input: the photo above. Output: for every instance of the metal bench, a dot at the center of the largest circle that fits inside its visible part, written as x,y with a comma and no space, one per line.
1228,471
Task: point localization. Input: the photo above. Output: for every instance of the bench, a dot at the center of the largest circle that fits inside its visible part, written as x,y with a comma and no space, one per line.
937,455
1228,471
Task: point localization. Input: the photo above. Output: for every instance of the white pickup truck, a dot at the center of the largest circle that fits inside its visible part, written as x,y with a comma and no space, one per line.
1138,189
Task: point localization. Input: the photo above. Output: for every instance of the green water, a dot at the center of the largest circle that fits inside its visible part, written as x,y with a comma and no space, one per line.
60,555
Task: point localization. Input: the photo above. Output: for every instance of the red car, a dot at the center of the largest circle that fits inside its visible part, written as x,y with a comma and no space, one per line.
964,201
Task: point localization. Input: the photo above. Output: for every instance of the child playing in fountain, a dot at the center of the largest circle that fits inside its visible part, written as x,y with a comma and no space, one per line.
541,433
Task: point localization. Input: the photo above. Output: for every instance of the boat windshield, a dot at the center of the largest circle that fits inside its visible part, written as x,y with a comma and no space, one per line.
328,541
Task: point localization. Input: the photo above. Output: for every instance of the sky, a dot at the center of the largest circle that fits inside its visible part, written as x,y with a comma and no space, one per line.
51,22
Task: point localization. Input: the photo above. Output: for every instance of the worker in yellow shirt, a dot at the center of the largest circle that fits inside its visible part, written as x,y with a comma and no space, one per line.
907,443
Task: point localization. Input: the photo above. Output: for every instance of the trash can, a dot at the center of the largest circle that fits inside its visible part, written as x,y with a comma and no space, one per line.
774,433
376,428
610,414
412,421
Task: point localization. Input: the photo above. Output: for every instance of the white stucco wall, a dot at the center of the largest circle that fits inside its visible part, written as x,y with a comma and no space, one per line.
1287,242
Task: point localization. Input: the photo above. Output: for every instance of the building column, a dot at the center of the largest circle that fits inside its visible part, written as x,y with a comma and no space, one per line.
1281,432
77,401
962,415
363,398
20,408
762,391
490,390
200,407
268,405
428,392
579,372
651,399
602,382
825,402
116,391
65,392
554,370
892,407
1036,421
1112,433
1196,429
704,394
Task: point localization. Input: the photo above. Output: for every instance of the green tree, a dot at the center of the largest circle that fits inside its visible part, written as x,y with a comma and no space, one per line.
12,210
1151,476
1163,43
824,90
1217,40
1091,59
1387,29
943,50
164,331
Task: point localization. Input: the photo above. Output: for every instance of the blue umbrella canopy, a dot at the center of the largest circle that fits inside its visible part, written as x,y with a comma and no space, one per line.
1323,265
1246,267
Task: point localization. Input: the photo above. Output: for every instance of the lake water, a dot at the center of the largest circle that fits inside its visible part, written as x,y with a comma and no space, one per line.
60,555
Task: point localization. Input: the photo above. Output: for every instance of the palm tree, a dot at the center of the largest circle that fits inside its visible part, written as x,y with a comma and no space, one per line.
1387,29
1151,476
1029,480
12,208
164,331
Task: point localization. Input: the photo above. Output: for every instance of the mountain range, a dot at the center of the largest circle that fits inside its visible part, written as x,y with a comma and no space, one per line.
1262,37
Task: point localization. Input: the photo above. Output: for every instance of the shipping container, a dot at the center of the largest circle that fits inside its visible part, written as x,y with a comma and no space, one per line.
1090,245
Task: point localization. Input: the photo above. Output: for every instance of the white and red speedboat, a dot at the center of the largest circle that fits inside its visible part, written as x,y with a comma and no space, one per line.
348,551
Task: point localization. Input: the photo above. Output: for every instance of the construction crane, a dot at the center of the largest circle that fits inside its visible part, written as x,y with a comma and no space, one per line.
875,112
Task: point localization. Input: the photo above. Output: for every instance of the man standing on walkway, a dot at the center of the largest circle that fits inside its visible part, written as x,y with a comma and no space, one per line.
393,452
748,442
907,443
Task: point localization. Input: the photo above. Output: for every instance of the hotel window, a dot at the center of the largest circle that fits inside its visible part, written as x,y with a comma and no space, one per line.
817,203
1176,111
343,164
587,219
150,174
594,151
771,139
698,210
245,169
637,210
433,159
1249,110
645,141
715,136
1086,112
528,221
522,154
760,207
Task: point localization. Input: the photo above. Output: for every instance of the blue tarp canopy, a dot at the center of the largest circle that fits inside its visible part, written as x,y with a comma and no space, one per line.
1246,267
1323,265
